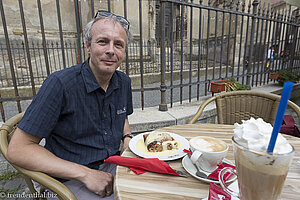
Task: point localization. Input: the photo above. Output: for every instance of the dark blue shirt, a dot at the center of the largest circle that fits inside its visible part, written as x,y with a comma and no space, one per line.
80,121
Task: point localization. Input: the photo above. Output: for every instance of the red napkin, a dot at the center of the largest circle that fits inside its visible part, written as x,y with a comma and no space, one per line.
215,174
142,165
215,192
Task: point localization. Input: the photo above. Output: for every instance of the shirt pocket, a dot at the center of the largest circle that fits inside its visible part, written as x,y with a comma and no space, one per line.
118,116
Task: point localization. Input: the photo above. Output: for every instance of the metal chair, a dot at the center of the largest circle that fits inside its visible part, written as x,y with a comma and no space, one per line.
235,106
47,182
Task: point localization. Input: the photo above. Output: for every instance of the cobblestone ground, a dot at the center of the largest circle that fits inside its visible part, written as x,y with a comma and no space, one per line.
11,189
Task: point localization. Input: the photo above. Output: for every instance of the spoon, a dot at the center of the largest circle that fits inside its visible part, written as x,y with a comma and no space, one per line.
198,173
203,175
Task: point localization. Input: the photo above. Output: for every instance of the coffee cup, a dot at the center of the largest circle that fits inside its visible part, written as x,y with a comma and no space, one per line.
208,152
261,175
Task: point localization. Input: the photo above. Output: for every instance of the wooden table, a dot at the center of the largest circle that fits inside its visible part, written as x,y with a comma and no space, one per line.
150,185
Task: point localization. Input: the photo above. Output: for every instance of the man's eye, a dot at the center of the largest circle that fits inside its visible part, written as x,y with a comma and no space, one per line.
101,42
119,45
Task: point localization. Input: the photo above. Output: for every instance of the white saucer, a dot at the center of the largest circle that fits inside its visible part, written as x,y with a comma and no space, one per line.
191,169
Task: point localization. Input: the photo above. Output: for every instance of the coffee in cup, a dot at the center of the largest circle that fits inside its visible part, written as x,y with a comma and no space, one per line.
208,152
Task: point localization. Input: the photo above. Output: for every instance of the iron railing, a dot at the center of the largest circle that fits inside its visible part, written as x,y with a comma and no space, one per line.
246,33
151,60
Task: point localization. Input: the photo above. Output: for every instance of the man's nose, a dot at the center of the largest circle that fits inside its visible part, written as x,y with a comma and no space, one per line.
110,49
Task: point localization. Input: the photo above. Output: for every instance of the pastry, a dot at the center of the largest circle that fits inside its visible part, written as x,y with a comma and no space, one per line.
159,141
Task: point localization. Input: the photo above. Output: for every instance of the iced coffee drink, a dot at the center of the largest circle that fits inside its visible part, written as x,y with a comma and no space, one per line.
260,175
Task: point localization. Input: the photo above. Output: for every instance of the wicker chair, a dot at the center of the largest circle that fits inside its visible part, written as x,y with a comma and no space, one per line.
241,105
7,130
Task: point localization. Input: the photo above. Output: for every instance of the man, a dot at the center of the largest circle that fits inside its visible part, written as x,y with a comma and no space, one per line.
270,58
82,112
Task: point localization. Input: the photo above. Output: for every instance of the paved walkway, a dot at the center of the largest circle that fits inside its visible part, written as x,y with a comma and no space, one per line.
149,119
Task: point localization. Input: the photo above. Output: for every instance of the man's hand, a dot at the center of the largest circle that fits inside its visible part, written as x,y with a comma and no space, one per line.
98,182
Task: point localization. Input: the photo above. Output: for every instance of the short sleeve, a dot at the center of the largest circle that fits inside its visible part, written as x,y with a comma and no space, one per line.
41,116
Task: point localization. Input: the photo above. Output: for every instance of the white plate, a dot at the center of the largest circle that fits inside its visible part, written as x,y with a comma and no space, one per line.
191,169
184,144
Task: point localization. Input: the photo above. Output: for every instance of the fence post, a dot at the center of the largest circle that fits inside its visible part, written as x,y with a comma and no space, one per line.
141,54
60,33
27,48
78,27
10,58
297,20
43,37
163,106
250,65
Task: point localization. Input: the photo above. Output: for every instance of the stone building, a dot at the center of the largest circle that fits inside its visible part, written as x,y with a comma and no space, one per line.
149,10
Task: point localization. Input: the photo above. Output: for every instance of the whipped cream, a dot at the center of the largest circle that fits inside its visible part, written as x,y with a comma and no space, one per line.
256,133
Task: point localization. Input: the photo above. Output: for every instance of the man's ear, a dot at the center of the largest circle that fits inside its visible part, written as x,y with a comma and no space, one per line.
87,46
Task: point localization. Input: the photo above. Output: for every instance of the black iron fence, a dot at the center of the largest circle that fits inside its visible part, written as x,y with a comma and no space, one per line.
237,37
151,60
188,44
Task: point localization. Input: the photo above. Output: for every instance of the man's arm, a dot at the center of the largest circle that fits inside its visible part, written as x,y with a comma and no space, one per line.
24,150
125,132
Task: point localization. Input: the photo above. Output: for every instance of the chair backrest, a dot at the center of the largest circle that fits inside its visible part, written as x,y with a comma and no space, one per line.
6,132
235,106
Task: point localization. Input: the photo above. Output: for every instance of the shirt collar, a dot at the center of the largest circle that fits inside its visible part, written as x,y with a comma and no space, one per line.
91,83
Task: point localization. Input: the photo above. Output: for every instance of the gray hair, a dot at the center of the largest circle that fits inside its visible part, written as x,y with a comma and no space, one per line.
88,36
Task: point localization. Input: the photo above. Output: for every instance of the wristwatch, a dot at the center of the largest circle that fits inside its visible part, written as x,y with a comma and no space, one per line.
127,135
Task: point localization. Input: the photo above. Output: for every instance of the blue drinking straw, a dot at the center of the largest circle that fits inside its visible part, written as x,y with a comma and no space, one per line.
287,89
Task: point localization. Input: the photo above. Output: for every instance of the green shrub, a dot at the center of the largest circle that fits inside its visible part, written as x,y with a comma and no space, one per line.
288,75
232,85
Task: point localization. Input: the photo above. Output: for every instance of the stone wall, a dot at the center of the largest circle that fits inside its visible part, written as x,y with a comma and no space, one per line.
68,20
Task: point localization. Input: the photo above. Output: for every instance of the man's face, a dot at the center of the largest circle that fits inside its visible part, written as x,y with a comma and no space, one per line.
107,47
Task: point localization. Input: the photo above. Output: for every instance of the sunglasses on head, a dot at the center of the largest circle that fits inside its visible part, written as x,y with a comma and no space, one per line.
120,19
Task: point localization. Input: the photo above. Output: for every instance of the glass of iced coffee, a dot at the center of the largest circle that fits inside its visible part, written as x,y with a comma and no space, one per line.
260,175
